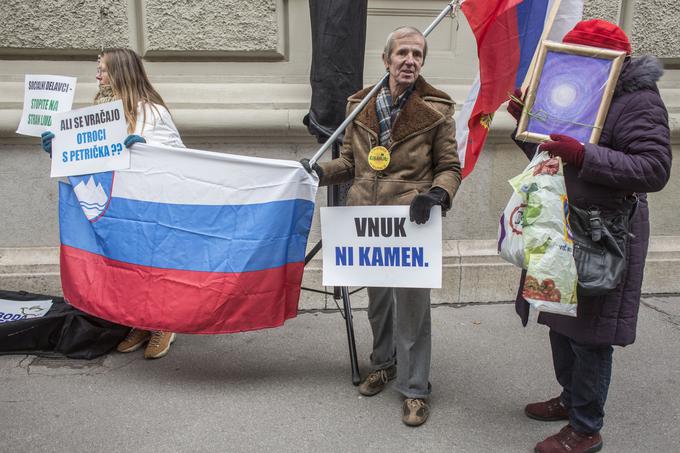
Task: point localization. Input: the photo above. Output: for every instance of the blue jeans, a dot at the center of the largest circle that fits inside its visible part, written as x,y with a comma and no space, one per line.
584,373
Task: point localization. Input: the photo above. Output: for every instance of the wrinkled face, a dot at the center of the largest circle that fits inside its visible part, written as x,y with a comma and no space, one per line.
102,74
405,61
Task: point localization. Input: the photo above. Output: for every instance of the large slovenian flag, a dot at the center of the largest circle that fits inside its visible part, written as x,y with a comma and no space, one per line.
187,241
507,34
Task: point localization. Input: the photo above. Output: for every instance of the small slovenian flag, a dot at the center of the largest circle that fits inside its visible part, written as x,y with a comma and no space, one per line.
507,34
187,241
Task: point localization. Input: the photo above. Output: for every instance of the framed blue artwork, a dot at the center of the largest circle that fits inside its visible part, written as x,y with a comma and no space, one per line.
569,93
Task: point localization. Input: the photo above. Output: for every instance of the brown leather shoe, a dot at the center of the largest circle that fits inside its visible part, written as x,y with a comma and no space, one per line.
159,345
570,441
547,411
376,380
415,411
135,339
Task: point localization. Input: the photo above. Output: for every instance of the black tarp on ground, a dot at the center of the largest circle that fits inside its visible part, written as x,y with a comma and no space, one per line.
338,43
64,330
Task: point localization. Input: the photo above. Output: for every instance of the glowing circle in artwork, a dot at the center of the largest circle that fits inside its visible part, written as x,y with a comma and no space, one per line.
569,93
563,95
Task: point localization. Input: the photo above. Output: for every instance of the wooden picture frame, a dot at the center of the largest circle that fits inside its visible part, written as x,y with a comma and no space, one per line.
569,93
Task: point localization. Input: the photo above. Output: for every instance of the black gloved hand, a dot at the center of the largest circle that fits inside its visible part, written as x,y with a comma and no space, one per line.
422,204
316,167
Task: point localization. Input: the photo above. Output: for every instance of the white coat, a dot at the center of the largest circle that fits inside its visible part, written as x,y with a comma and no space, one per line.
157,126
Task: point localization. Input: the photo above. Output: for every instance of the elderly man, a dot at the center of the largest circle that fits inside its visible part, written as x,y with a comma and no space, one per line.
400,150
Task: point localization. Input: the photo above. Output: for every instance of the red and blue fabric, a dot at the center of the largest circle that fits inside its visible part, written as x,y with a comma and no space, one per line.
187,241
507,33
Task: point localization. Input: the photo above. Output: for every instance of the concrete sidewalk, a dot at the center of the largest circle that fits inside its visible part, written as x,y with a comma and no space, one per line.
289,389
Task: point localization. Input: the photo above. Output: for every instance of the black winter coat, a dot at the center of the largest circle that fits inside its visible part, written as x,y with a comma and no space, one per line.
632,156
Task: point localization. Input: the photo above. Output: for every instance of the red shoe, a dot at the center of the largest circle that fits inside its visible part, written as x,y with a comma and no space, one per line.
547,411
570,441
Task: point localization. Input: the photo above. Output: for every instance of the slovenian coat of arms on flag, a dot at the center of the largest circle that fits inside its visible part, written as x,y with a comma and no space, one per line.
187,241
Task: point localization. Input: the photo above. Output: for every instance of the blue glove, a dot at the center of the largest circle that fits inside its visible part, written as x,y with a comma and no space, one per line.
46,139
132,139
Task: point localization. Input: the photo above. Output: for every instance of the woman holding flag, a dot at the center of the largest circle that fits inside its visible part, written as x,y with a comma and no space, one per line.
121,75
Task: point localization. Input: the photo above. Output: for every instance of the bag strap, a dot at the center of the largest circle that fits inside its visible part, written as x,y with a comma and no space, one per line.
630,204
595,221
628,208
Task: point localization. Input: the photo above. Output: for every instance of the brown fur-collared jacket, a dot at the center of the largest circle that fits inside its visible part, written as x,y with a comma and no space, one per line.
423,152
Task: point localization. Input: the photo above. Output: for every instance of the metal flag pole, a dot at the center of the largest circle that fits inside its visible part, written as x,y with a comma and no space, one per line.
452,8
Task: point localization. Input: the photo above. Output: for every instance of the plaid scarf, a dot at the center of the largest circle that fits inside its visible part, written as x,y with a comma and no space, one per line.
388,112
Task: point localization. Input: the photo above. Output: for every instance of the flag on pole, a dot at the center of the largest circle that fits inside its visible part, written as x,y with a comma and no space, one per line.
507,34
187,241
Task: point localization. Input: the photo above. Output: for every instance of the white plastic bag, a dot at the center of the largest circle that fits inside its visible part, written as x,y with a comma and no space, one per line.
510,241
551,279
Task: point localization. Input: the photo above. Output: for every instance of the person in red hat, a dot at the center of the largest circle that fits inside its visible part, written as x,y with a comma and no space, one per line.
633,157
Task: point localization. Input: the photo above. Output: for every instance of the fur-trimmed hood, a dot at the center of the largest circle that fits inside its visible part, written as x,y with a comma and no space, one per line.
640,73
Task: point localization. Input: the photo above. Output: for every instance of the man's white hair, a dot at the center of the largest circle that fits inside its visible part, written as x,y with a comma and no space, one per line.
400,33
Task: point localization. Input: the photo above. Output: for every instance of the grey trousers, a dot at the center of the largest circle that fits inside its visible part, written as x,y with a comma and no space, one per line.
400,320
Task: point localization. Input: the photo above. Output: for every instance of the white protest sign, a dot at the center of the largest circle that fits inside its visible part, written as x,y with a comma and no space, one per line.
16,310
44,96
380,246
90,140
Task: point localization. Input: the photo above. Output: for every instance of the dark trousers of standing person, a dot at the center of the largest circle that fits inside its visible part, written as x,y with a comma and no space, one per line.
584,372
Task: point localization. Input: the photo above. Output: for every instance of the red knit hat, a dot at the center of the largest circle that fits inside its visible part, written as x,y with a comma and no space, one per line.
599,33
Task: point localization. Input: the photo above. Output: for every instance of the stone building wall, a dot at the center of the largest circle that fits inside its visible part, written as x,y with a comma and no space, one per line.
656,29
62,27
235,76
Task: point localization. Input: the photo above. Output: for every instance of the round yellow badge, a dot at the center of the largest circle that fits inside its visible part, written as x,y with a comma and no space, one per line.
379,158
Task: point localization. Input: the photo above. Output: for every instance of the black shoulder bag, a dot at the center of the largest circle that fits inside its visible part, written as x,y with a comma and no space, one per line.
600,244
